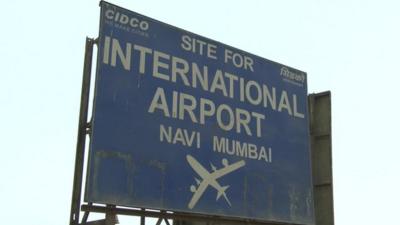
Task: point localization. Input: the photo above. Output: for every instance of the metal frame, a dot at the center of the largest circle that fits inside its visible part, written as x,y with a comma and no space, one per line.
176,216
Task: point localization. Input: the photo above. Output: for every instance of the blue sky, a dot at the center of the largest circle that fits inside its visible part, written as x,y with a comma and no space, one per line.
349,47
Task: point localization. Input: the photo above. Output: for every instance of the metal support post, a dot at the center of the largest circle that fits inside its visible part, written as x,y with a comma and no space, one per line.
321,155
82,131
143,218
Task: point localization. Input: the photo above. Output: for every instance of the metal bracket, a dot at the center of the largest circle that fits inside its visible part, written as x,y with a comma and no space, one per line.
160,219
111,217
88,128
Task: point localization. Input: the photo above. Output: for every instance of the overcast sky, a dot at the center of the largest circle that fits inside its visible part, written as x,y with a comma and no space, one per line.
349,47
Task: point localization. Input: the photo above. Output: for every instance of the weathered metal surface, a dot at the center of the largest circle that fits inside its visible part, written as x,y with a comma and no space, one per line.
187,124
82,131
321,149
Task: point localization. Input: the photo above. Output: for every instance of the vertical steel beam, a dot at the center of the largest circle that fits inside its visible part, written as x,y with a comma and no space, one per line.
82,131
142,219
321,156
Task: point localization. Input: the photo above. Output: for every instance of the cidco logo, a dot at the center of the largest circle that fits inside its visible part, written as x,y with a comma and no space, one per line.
126,20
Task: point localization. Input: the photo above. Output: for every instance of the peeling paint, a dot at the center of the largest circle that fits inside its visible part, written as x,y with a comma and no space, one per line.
293,202
158,164
162,167
100,156
309,203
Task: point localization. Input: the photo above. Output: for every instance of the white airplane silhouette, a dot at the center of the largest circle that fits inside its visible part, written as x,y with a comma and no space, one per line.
210,178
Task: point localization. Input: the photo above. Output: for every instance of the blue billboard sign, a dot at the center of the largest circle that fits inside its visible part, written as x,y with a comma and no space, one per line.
187,124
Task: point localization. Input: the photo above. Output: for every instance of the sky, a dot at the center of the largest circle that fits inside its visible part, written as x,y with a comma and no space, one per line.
349,47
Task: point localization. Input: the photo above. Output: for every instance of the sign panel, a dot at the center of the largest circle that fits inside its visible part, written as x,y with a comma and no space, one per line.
188,124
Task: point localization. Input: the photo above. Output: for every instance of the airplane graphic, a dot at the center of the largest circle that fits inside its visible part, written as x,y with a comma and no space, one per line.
210,178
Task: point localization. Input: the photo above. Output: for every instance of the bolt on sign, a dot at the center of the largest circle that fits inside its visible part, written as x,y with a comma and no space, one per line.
188,124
